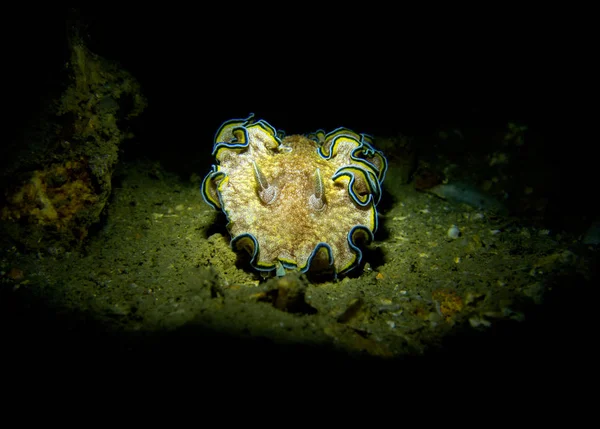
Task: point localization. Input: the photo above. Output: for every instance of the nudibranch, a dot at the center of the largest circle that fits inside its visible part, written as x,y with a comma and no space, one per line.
296,202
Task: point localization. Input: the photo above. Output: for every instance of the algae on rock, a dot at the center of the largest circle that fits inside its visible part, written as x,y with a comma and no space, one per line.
57,180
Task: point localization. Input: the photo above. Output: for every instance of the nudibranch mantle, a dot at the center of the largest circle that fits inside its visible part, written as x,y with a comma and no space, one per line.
296,201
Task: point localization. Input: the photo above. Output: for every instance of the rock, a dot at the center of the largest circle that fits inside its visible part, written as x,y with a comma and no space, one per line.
56,177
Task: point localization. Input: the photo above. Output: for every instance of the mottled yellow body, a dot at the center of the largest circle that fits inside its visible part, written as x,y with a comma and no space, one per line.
286,195
288,229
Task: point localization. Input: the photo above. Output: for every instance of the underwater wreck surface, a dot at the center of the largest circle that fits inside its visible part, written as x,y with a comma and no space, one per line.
160,276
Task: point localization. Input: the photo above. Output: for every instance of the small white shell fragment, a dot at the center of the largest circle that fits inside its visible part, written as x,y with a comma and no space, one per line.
453,232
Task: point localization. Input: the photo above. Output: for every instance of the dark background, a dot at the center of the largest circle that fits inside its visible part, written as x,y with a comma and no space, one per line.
373,75
366,70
